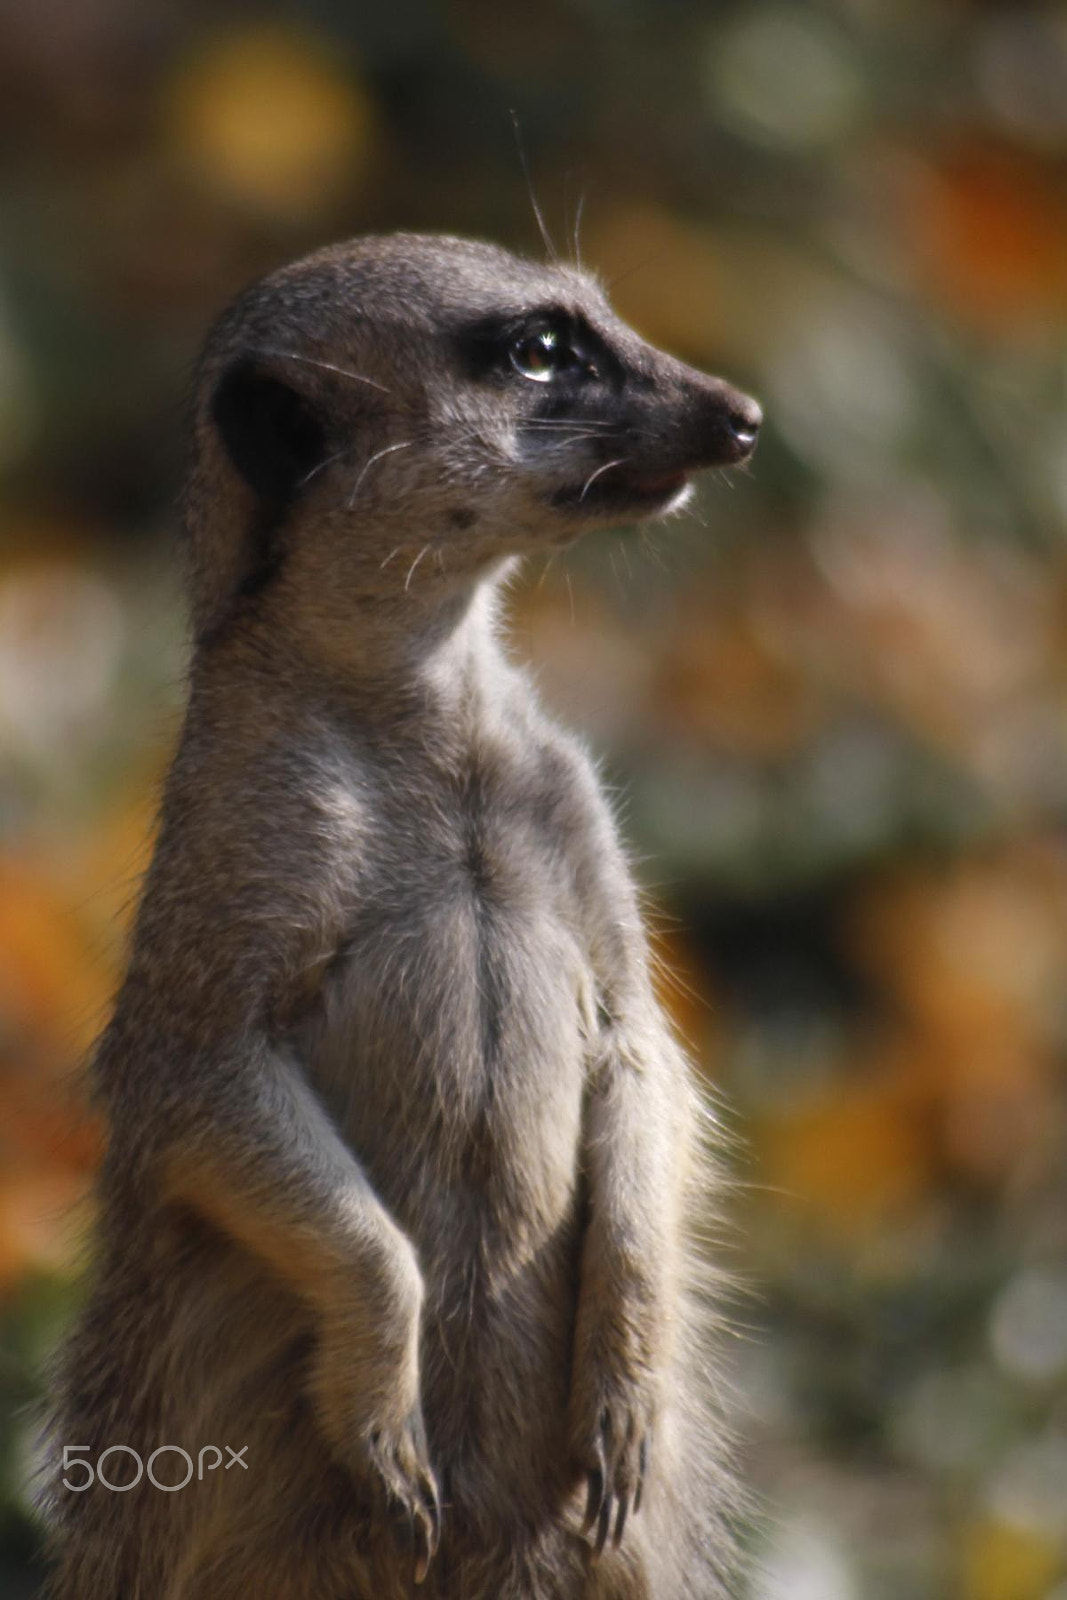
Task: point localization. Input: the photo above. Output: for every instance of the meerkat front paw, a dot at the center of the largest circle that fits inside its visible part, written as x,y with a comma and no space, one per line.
366,1391
612,1417
401,1461
376,1431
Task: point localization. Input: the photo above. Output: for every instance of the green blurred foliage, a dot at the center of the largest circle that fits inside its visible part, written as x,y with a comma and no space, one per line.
834,700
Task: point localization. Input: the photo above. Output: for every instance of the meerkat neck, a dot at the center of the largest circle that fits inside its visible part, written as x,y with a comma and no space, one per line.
427,651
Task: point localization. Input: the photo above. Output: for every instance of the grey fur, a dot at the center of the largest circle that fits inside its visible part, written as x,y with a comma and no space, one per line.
402,1155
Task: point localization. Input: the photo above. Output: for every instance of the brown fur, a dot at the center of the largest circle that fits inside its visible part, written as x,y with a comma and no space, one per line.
402,1155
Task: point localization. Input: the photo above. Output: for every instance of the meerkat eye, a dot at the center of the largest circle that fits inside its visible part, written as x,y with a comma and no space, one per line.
541,347
541,356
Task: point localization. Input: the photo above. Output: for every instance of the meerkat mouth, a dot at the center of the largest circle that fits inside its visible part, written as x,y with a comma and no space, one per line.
616,487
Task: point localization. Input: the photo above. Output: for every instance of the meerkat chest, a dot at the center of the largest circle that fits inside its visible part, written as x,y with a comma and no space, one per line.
452,1038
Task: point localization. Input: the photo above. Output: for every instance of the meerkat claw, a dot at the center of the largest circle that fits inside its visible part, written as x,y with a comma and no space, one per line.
603,1525
642,1467
620,1520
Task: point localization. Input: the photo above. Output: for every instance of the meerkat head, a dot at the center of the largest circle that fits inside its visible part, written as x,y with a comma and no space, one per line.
403,394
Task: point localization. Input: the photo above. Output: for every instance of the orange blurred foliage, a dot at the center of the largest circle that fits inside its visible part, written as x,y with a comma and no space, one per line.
264,116
989,227
61,916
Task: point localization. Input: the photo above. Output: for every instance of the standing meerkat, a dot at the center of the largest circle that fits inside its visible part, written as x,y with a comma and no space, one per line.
401,1153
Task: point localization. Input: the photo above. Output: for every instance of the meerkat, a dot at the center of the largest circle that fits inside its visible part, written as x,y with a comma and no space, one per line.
402,1158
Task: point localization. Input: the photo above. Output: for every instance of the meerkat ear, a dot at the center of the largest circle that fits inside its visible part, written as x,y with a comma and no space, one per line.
271,432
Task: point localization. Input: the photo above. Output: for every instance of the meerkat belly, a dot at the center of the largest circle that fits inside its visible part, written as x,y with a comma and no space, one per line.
450,1048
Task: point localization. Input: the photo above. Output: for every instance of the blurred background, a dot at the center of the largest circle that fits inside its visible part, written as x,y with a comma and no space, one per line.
833,700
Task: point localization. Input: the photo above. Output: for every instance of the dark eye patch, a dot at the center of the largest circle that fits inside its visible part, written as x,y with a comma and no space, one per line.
485,347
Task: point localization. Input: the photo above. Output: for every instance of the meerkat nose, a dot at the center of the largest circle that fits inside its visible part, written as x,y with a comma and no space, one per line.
745,421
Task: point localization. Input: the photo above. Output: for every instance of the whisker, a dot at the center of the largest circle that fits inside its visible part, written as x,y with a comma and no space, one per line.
346,451
414,564
593,476
549,561
545,235
389,557
561,440
574,438
577,231
653,550
328,366
628,272
377,456
615,571
548,423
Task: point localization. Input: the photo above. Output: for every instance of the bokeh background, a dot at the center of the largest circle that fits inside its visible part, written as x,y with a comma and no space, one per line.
833,700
